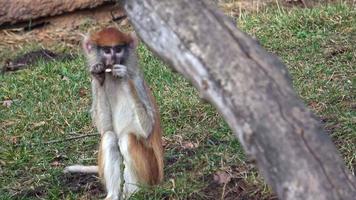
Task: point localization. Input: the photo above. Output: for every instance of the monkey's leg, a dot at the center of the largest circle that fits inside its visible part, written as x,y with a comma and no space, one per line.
109,164
131,181
143,160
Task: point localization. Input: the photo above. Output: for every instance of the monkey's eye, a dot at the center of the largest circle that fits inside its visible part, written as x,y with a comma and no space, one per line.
119,48
106,50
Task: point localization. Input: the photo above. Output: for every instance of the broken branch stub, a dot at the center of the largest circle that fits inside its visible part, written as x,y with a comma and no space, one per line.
253,92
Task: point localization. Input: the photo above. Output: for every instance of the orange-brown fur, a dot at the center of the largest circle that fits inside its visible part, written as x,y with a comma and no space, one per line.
110,37
147,154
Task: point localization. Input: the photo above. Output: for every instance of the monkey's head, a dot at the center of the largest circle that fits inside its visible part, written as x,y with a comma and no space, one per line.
110,46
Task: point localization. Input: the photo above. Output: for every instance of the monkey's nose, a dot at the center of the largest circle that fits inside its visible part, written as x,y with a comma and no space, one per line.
110,62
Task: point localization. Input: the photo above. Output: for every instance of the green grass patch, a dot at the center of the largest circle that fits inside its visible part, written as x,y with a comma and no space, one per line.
319,49
51,101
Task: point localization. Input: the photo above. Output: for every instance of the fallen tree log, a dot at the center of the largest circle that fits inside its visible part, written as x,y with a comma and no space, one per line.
252,90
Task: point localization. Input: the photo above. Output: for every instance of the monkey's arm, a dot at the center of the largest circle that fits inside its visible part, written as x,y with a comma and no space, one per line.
144,104
100,111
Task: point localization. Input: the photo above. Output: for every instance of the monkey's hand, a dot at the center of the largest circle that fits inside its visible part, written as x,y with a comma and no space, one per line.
97,68
119,70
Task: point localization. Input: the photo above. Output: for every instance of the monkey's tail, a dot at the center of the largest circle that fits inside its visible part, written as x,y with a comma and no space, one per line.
91,169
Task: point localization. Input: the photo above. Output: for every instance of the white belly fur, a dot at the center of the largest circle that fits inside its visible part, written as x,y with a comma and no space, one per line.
125,121
124,115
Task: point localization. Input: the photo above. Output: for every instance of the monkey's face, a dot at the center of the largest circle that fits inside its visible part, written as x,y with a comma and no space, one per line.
111,55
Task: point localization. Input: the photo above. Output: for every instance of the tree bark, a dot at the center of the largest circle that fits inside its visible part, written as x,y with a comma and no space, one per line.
252,90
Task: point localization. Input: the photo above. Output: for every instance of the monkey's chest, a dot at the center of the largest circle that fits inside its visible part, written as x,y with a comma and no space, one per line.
124,115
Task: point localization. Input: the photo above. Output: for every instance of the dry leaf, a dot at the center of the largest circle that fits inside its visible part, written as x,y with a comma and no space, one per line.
59,157
164,142
189,145
8,123
14,140
56,163
38,124
3,163
82,92
65,78
222,178
7,103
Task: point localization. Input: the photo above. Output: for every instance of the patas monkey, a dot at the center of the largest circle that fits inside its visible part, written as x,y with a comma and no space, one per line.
125,114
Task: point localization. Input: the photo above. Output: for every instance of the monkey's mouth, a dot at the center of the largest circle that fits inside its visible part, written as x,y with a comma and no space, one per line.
110,69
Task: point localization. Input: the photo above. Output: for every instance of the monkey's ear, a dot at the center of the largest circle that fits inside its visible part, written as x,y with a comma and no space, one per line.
134,42
87,45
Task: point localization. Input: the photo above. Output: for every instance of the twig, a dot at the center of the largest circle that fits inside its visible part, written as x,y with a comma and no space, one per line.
304,3
70,138
63,140
223,191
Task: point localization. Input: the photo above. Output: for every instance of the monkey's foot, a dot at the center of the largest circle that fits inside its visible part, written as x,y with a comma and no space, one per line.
111,198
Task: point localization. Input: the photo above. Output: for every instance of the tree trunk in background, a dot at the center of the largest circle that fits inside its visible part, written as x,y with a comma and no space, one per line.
253,92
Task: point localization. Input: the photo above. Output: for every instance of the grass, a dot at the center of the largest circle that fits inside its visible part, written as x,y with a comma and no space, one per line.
318,46
50,101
